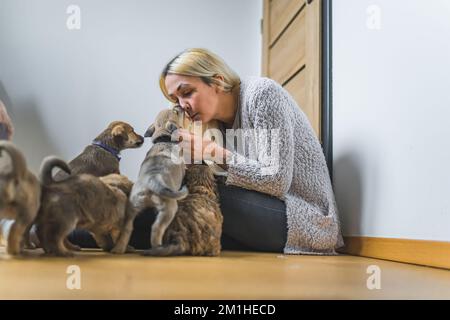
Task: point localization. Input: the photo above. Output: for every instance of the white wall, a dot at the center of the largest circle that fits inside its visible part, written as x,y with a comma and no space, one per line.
391,118
63,87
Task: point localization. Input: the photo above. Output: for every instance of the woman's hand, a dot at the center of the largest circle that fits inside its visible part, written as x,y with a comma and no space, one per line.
197,148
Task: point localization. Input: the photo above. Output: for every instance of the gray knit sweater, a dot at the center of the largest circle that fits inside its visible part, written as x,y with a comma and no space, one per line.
296,170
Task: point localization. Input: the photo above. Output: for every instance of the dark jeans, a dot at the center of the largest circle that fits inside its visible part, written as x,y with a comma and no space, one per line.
252,221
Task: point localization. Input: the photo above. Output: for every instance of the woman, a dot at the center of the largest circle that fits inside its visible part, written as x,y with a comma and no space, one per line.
280,203
277,196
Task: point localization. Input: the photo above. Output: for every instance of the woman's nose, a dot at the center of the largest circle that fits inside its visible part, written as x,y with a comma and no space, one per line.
185,106
182,104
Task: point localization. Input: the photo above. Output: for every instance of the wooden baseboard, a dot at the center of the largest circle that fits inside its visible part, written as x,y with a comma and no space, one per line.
421,252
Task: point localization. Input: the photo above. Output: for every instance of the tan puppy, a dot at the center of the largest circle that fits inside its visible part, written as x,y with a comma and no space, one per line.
103,155
161,174
20,194
99,205
166,122
197,226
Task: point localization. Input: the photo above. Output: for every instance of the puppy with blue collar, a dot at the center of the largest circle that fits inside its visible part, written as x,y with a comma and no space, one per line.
102,156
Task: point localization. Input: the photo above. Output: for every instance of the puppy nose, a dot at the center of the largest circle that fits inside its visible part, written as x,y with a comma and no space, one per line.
140,140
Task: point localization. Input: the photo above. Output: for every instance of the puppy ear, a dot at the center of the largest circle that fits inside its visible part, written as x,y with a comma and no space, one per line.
118,130
171,127
150,131
177,108
10,189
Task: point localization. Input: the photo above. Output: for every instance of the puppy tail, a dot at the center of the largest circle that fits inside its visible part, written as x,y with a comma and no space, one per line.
50,162
17,159
158,187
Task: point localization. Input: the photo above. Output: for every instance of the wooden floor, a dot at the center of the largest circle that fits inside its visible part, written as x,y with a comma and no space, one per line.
234,275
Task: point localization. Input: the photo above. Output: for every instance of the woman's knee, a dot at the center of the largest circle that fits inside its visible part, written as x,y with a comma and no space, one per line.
254,219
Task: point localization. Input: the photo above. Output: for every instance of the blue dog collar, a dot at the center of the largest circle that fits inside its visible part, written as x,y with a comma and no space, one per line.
113,151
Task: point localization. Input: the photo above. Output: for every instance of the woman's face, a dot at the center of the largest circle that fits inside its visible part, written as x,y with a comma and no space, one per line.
199,100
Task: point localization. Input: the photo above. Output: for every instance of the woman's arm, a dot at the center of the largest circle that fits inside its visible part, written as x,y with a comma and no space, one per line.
271,170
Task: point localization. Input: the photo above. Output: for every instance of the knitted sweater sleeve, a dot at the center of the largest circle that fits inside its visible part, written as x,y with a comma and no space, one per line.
270,168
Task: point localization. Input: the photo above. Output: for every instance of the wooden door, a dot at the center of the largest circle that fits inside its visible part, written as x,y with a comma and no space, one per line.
292,52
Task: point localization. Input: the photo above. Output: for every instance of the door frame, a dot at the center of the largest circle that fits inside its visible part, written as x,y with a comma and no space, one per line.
327,93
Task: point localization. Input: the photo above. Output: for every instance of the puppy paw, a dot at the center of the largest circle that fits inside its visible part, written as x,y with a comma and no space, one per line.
14,251
30,246
73,247
149,252
32,241
66,254
117,250
156,252
62,254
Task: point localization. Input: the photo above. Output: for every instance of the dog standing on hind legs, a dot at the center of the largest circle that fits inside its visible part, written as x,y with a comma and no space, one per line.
20,194
159,183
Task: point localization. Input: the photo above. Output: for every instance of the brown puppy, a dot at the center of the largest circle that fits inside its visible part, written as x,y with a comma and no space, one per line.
120,184
20,194
83,201
103,155
197,226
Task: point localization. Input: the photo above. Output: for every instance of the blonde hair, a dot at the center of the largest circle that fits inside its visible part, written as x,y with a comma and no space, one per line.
202,63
